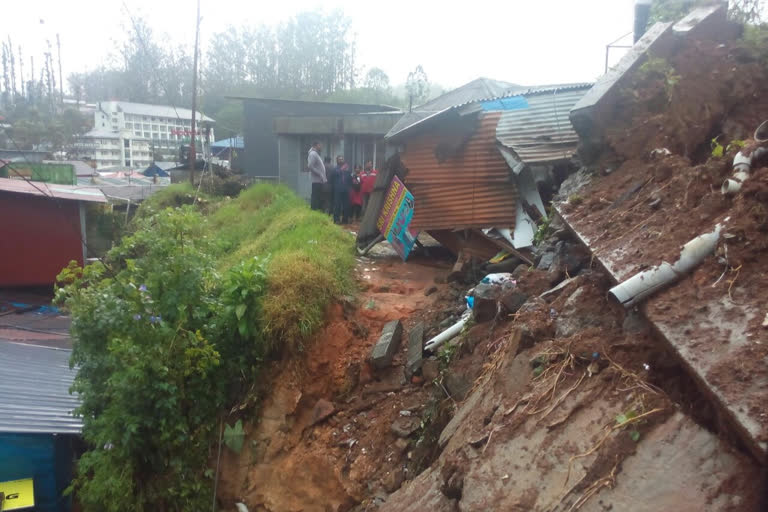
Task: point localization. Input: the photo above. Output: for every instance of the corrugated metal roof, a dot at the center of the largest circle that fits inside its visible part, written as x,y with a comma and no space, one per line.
34,384
542,132
35,188
476,90
472,189
417,117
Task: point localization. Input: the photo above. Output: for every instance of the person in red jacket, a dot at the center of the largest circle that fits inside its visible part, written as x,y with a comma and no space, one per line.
355,194
367,182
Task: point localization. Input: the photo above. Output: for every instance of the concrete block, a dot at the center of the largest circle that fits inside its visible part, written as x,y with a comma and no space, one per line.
415,348
384,350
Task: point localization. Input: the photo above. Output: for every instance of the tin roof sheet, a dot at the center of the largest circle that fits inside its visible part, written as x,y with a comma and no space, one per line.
542,130
36,188
35,386
478,89
492,94
471,190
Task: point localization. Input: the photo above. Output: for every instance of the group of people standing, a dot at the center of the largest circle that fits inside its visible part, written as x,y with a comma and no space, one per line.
337,189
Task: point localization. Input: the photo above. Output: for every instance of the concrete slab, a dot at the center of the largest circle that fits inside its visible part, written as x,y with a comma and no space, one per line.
709,336
415,349
384,350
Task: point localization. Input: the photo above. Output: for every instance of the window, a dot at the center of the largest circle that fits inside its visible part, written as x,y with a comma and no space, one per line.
129,125
126,143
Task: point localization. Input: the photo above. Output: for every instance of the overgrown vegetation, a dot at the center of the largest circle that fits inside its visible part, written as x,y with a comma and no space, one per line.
743,11
173,329
659,68
544,229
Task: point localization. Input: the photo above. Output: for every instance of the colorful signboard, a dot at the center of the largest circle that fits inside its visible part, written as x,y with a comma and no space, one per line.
17,494
395,217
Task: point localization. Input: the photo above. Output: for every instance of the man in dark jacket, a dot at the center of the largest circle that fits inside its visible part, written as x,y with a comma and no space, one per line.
342,179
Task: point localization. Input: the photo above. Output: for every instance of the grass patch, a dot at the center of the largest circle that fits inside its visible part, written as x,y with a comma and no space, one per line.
310,259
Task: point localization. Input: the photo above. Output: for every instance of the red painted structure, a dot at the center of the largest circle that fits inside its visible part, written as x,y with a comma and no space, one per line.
39,236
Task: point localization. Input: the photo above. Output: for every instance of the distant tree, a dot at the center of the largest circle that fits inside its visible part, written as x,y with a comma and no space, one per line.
743,11
417,86
377,79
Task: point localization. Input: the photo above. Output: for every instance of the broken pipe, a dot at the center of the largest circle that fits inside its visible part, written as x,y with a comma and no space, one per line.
648,282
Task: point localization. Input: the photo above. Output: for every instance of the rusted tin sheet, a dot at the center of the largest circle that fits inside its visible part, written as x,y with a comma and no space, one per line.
542,132
471,190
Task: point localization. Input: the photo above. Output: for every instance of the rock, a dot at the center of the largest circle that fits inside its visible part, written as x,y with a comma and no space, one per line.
513,301
634,322
569,258
457,385
429,291
446,323
384,350
415,348
400,445
507,265
520,270
570,320
546,261
486,300
575,182
393,480
323,410
403,427
430,369
555,292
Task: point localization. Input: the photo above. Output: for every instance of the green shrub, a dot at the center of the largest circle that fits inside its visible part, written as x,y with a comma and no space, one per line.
172,330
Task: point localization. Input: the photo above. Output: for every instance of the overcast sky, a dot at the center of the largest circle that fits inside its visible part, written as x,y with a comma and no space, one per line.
523,41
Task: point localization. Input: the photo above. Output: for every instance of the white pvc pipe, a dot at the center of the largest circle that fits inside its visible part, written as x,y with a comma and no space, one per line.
742,163
648,282
447,334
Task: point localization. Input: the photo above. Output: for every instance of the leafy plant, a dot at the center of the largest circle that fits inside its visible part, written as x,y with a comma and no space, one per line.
543,231
234,436
735,144
575,199
717,148
660,68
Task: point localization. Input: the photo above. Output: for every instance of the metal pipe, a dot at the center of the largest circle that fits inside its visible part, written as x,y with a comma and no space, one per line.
641,285
742,162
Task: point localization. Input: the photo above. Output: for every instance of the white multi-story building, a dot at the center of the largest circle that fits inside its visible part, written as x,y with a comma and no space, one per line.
166,127
109,148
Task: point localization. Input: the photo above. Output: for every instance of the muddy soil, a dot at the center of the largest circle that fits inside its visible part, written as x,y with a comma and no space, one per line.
640,210
295,458
592,420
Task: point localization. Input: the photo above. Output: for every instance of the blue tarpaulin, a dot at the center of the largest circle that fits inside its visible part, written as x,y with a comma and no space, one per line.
154,170
511,103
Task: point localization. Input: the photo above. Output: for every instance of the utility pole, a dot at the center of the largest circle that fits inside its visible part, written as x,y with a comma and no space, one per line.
194,99
21,73
61,80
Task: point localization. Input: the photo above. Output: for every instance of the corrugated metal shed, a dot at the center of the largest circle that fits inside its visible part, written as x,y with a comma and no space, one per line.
34,384
542,132
471,190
